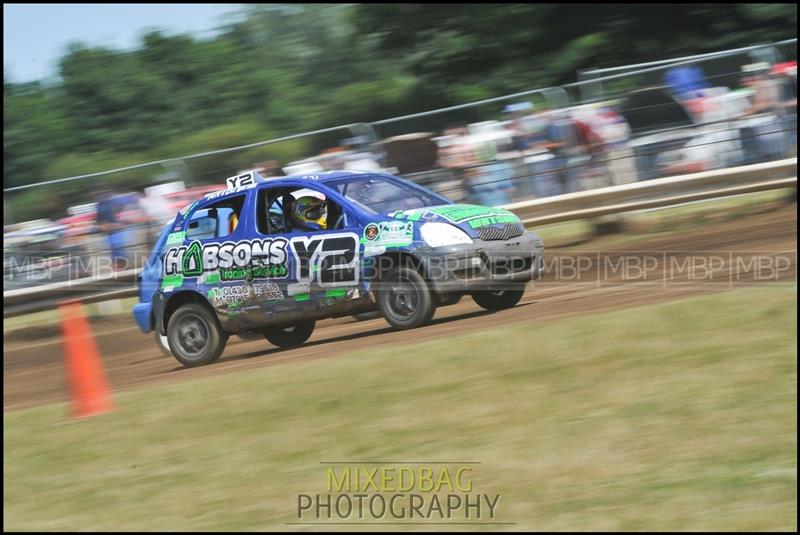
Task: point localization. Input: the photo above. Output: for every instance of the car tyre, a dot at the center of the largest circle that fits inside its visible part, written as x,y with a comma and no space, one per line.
405,298
499,299
290,335
194,335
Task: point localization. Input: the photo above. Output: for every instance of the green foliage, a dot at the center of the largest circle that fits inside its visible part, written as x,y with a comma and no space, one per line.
279,69
34,131
214,168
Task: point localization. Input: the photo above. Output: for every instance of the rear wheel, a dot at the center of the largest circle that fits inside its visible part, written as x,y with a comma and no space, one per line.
405,299
499,300
194,335
290,335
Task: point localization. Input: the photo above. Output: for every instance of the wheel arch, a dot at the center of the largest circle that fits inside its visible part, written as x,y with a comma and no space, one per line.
181,298
391,259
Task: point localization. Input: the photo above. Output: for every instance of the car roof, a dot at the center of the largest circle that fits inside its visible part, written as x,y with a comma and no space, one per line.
327,176
320,177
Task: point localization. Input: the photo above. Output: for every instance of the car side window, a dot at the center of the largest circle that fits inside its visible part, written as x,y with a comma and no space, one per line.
275,204
217,220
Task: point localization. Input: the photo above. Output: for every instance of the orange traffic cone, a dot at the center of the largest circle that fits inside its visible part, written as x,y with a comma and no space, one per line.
89,388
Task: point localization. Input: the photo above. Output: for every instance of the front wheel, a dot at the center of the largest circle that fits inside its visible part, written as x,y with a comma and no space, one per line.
498,300
195,338
290,335
405,299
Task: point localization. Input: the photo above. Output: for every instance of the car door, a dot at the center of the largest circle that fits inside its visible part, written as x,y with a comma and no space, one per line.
212,256
324,265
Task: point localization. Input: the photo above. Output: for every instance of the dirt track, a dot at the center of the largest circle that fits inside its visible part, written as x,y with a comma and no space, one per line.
582,278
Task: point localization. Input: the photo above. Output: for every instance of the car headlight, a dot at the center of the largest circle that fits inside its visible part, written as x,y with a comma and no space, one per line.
442,234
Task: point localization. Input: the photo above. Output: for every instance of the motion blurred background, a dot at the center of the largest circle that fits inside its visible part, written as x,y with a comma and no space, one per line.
606,404
595,109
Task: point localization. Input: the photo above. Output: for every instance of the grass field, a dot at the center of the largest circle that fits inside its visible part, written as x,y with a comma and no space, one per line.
667,220
677,416
51,317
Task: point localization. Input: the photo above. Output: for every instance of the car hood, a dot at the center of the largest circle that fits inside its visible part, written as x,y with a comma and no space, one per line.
467,217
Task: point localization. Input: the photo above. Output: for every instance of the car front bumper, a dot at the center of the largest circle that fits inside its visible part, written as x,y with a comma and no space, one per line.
484,265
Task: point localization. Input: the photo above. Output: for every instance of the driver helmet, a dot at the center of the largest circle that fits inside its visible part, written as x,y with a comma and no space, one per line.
309,210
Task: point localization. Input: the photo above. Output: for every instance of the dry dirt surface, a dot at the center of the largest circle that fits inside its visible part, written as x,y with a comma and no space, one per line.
756,250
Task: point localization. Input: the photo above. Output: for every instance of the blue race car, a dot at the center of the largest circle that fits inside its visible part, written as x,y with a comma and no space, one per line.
270,256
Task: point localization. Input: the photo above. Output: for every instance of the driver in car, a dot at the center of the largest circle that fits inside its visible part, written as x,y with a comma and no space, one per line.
308,211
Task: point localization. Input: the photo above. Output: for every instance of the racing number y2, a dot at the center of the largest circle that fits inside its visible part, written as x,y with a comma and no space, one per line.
331,260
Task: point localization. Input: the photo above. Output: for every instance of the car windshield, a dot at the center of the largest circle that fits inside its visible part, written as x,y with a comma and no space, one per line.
382,195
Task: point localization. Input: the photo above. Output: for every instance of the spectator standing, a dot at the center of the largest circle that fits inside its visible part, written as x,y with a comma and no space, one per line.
786,74
686,82
593,173
111,223
534,137
762,139
562,142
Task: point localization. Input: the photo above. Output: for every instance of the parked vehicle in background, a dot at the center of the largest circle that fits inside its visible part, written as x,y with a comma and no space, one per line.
35,253
708,127
178,200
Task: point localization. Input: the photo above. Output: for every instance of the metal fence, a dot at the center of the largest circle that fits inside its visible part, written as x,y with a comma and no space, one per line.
593,203
614,126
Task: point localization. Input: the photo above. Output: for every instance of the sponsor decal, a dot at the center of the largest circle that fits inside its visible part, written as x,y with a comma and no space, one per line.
463,212
459,213
210,278
371,231
268,291
264,272
192,261
336,292
388,234
236,295
493,220
266,258
171,281
239,181
330,260
237,189
298,288
176,237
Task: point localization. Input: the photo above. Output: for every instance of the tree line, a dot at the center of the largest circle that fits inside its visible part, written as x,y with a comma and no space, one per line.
278,69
